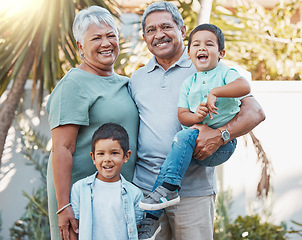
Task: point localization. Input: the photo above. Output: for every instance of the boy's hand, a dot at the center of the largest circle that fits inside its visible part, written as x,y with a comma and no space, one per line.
201,112
211,105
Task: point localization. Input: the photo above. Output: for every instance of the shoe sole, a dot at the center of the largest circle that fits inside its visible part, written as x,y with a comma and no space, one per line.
154,235
158,206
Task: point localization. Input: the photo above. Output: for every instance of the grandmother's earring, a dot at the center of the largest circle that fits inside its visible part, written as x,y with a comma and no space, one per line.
82,55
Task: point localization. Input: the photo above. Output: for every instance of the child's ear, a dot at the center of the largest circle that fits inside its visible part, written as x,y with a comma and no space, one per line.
221,53
127,156
189,55
92,156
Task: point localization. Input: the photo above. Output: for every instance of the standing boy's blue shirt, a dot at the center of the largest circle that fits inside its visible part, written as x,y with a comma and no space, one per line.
81,202
196,88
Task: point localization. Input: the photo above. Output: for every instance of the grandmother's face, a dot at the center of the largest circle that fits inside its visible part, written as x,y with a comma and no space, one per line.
100,47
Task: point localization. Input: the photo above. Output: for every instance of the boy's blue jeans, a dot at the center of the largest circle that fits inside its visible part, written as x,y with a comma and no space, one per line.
180,157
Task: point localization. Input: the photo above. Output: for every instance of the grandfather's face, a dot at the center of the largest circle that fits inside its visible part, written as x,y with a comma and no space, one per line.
100,47
163,38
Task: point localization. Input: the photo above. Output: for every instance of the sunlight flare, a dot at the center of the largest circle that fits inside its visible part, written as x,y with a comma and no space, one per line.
15,7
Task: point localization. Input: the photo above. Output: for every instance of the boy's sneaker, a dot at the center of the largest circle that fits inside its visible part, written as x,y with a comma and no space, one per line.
160,198
149,229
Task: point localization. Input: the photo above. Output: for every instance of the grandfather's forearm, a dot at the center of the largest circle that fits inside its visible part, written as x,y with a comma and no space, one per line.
250,115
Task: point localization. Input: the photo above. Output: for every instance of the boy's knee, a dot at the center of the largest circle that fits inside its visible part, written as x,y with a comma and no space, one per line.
185,135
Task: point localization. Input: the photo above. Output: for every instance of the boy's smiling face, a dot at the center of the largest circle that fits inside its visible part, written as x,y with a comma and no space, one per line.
204,51
109,158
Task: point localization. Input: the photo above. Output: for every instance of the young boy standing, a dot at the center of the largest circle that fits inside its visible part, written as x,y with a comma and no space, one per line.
210,97
105,204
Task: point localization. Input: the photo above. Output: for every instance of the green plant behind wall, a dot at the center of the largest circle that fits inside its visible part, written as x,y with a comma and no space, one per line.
296,231
34,224
223,204
251,227
247,227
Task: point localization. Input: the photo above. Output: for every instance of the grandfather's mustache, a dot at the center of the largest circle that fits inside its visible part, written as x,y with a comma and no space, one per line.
161,41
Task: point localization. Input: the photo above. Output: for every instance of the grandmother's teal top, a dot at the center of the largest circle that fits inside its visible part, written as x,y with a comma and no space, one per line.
89,100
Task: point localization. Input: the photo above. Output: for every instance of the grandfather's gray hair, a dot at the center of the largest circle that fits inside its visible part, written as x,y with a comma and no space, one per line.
163,6
91,15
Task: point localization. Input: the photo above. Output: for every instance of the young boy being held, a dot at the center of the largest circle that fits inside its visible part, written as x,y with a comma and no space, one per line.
105,204
210,97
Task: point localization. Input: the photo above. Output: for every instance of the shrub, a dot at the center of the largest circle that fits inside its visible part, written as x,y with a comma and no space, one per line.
250,227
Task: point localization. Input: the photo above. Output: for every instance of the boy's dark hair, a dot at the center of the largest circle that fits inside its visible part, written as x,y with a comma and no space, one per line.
212,28
111,131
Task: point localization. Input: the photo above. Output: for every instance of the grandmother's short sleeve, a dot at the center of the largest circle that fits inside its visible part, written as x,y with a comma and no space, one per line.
68,104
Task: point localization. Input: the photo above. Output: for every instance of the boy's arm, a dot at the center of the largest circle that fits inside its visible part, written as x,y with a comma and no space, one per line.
238,88
188,118
75,205
139,213
73,235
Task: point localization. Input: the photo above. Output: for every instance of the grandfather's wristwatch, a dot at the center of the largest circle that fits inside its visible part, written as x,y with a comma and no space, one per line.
225,135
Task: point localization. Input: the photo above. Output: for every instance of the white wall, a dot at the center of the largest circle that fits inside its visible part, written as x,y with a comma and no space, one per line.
280,135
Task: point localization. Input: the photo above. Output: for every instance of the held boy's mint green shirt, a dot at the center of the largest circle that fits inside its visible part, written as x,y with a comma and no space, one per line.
196,88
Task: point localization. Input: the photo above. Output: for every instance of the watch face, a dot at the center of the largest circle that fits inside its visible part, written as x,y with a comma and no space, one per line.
225,135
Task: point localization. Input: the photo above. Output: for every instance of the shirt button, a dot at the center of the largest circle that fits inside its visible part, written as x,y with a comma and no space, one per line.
205,96
204,82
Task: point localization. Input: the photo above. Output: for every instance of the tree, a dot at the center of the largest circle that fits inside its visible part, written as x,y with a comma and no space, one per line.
263,41
36,38
205,11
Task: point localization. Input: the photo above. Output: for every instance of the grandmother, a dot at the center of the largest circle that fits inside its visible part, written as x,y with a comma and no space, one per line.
85,98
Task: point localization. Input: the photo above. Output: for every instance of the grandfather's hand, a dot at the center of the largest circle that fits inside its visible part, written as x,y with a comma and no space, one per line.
66,218
207,142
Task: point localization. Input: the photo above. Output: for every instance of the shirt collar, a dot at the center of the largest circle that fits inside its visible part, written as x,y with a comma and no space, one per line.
212,71
183,61
91,180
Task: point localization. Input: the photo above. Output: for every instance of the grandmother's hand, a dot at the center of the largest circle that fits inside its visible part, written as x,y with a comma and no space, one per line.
207,142
66,218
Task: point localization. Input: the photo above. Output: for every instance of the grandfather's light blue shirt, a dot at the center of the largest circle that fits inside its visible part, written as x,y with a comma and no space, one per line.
197,87
81,203
155,92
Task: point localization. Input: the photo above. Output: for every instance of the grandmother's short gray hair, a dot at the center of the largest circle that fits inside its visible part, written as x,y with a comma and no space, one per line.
91,15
